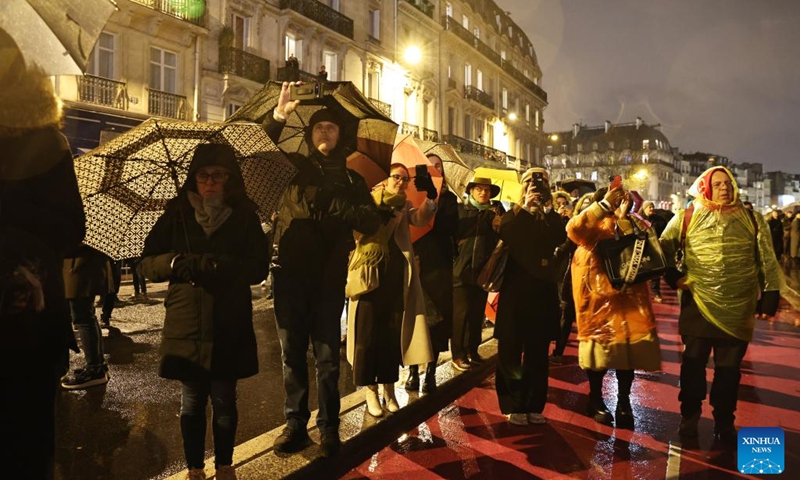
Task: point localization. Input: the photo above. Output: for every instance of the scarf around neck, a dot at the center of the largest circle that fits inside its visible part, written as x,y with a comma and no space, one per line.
209,212
372,249
480,206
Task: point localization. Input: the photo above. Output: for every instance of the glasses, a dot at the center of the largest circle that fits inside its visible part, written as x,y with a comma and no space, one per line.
480,188
216,177
400,178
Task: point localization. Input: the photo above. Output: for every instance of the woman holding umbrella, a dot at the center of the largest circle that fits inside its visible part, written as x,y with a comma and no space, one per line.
386,322
210,246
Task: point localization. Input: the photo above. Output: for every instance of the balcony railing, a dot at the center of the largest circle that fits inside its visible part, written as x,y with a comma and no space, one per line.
521,78
409,129
385,108
322,14
430,135
246,65
163,104
452,25
473,93
423,6
103,91
462,145
284,75
192,11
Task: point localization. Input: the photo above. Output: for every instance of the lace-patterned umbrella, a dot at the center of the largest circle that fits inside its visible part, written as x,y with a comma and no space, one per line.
366,129
457,174
126,183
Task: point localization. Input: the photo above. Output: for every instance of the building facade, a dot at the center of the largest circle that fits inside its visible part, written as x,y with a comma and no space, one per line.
459,71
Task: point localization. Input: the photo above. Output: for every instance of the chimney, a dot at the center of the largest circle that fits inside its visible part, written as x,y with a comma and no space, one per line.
576,127
608,126
638,122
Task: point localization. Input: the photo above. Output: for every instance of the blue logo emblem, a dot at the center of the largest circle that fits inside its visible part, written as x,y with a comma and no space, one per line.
761,450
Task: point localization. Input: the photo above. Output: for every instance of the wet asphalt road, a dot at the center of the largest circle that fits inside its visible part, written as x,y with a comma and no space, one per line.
129,429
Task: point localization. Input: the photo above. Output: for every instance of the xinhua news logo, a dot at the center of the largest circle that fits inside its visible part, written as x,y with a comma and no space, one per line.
761,450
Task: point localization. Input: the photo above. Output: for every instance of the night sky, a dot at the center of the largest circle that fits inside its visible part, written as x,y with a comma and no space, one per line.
720,76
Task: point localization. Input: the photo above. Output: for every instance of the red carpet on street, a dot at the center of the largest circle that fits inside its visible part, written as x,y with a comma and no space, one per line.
471,439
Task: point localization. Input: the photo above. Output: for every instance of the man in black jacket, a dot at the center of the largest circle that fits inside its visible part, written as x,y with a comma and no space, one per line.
314,234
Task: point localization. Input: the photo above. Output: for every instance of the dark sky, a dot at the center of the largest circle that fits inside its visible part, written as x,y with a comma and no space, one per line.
720,76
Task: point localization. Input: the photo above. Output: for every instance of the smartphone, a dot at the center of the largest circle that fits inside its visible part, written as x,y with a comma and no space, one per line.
616,181
421,171
306,91
636,201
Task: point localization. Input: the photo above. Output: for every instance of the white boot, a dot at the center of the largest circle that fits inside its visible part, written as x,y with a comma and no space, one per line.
389,398
373,402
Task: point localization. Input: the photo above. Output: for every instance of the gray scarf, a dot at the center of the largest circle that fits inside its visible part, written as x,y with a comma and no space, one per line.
209,212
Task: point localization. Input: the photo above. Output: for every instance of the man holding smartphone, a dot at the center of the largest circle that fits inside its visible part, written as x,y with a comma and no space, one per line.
322,206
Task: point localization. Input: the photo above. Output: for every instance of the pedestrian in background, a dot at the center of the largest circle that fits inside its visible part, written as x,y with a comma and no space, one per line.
41,218
87,274
435,251
616,328
719,280
477,238
648,212
322,74
109,300
386,325
210,246
528,305
139,280
319,210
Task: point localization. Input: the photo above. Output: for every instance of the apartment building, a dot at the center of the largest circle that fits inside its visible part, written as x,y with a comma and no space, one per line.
459,71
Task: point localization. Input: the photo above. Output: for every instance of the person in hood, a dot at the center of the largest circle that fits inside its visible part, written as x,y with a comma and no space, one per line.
726,261
322,206
210,246
41,219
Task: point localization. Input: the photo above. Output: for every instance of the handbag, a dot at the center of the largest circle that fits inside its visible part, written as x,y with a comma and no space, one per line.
633,258
491,276
361,280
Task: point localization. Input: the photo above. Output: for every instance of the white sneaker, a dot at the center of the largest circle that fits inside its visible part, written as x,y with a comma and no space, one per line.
519,419
536,419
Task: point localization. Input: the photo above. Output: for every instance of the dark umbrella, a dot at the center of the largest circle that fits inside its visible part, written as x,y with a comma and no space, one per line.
365,129
126,183
456,172
56,35
583,186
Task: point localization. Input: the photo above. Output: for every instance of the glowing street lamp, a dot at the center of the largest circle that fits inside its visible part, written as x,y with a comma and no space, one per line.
412,55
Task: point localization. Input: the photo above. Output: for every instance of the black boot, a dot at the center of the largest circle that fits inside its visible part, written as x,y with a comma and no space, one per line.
412,383
597,409
624,413
429,385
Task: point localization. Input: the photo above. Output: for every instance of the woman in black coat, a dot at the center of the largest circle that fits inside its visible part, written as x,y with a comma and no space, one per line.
528,306
210,246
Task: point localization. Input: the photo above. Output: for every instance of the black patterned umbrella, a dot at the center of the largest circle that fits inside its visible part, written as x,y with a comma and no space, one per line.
126,183
365,128
456,172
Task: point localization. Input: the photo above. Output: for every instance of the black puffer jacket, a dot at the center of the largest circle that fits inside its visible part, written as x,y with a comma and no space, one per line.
208,329
476,241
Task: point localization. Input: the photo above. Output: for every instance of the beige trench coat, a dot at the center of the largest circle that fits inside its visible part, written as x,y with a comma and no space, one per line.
415,341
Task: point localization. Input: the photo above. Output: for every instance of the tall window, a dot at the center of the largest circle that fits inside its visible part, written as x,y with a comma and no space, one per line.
645,144
373,84
505,98
101,62
334,4
294,46
163,70
468,127
479,80
467,74
528,112
448,9
231,109
241,31
331,61
477,32
375,24
465,22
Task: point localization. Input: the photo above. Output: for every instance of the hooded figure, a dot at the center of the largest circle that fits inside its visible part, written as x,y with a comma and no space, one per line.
726,260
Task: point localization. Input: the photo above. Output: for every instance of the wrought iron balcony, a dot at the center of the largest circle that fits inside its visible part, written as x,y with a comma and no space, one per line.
385,108
246,65
462,145
521,78
163,104
409,129
423,6
322,14
452,25
473,93
192,11
430,135
103,91
284,75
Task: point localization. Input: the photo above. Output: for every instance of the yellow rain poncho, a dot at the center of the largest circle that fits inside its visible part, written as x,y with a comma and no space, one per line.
725,265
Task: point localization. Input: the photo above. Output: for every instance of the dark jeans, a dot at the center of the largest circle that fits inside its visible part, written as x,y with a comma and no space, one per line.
521,382
110,299
139,282
310,308
89,333
224,419
728,355
469,305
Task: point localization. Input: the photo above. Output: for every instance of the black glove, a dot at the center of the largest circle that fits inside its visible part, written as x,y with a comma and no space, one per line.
386,213
424,183
194,268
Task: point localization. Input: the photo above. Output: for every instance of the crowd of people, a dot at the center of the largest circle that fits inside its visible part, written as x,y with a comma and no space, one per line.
408,302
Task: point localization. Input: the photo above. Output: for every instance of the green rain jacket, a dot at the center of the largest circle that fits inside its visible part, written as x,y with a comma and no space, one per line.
725,264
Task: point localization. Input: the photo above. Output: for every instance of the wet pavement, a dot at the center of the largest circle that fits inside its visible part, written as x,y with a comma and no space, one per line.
128,429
